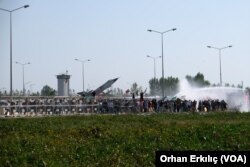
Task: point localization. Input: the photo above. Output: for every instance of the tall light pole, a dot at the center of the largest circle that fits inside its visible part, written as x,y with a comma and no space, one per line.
220,49
162,33
31,88
10,12
23,64
154,58
82,61
27,83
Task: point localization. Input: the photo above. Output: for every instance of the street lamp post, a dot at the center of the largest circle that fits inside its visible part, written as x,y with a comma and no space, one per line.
154,58
82,61
162,33
27,83
220,49
10,12
31,88
23,64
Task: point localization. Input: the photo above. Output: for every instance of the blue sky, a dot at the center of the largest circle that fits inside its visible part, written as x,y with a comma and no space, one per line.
113,35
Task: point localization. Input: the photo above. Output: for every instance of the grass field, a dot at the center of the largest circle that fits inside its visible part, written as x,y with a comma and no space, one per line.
117,140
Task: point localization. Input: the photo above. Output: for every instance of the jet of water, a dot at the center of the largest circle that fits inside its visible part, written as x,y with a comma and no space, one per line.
234,97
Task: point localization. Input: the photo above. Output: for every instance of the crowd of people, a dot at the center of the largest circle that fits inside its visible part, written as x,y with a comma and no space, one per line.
67,105
179,105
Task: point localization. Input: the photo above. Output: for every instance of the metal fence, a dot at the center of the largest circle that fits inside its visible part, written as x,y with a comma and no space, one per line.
33,110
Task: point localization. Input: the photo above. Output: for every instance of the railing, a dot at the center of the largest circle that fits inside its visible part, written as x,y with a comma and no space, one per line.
36,110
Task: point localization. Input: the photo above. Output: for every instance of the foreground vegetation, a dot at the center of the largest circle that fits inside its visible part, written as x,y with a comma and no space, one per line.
117,140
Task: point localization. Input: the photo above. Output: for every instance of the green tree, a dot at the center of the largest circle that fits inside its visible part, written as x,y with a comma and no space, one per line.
227,85
48,91
198,80
247,91
116,91
154,86
170,85
35,93
17,92
135,88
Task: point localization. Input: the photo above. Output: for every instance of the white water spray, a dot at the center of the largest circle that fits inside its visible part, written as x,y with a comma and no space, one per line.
234,97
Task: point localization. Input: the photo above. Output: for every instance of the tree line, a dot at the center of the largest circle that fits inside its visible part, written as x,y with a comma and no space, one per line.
171,84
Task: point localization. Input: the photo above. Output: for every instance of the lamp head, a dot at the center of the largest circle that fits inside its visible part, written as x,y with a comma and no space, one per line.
209,46
230,46
174,29
26,6
149,30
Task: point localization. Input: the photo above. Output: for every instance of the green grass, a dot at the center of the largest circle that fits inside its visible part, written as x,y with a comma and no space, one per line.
117,140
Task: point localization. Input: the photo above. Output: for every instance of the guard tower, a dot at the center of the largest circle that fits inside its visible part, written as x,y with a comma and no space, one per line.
63,84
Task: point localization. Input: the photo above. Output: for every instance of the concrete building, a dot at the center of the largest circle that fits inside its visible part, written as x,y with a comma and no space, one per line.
63,84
